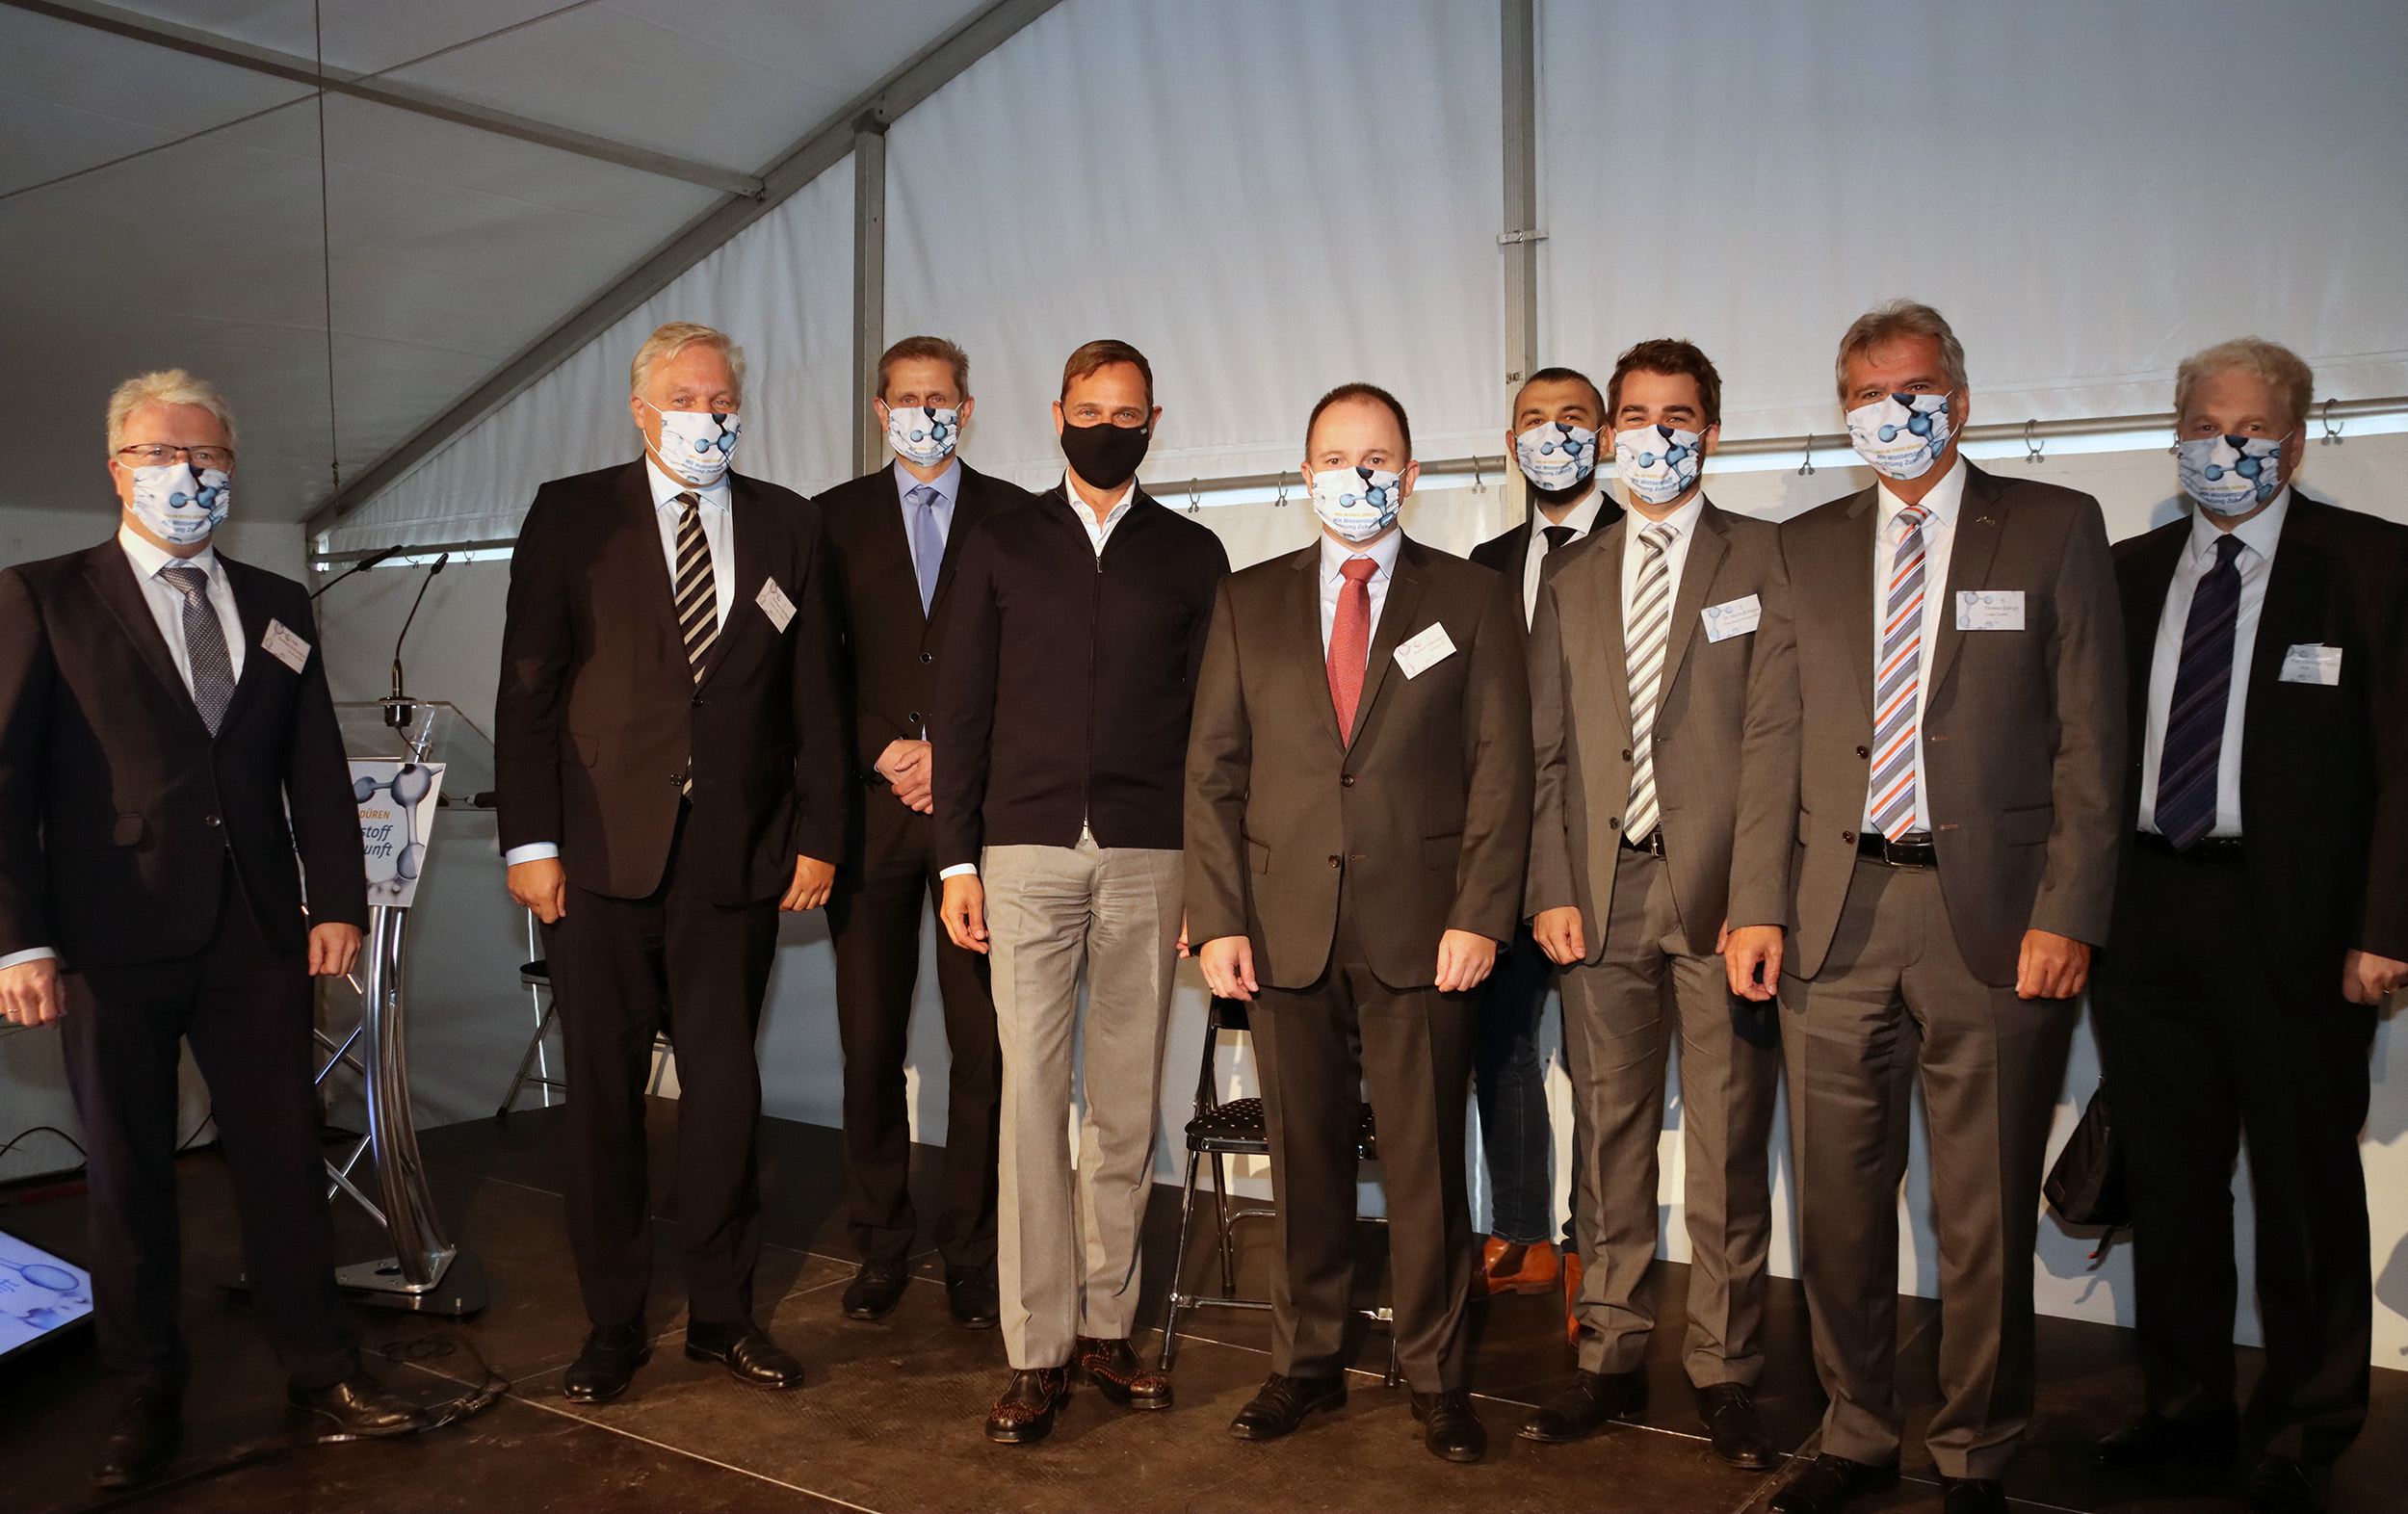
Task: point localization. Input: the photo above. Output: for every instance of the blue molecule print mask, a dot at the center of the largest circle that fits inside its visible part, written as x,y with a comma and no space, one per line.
1555,454
1658,463
697,445
2231,475
921,435
1901,435
1358,504
177,505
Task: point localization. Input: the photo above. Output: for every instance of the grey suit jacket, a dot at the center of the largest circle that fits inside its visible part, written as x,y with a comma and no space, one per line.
2022,731
1724,704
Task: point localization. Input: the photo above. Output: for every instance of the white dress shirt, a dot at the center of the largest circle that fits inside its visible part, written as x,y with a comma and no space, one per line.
1582,517
1098,535
1335,556
2254,564
1944,501
1683,524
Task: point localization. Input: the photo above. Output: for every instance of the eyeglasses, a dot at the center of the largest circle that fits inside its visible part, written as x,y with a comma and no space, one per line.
154,455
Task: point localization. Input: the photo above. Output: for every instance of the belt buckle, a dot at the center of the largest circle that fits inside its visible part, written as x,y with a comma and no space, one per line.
1897,851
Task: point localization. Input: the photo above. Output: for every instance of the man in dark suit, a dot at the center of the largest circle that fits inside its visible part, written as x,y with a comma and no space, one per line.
167,745
2263,917
1358,809
1959,743
1557,418
670,749
894,538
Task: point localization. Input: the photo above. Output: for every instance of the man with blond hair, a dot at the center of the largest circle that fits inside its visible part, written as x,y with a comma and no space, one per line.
167,748
668,747
2262,919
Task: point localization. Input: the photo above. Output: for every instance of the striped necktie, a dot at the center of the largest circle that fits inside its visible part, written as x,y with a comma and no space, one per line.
204,644
1897,685
697,591
1650,619
2194,716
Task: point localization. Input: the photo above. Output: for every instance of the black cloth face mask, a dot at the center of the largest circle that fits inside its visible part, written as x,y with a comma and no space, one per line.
1105,454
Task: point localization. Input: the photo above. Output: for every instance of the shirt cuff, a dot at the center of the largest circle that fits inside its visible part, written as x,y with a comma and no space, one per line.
30,954
532,851
959,870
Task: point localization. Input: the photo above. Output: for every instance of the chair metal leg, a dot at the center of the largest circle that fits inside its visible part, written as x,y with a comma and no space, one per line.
1220,1206
519,1082
1178,1265
1396,1374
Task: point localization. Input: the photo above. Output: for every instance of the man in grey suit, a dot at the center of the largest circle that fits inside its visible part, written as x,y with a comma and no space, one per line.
1960,743
1661,659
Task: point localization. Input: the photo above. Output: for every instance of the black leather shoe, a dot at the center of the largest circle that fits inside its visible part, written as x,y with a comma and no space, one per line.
1112,1365
1584,1407
1026,1411
1829,1483
359,1408
970,1293
2153,1440
1739,1432
1450,1429
2288,1485
875,1289
1972,1495
747,1351
142,1441
605,1363
1281,1408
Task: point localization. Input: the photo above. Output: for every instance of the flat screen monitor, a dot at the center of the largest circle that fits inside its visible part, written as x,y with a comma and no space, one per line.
40,1294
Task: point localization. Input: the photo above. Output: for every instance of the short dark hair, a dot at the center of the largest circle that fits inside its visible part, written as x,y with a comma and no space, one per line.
1665,355
1562,376
1361,391
1103,353
936,347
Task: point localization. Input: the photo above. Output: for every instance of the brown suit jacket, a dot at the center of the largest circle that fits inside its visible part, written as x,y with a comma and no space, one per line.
1429,807
2023,730
1722,702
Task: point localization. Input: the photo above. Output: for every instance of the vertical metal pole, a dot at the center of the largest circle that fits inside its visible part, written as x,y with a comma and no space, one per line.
1518,27
419,1244
869,285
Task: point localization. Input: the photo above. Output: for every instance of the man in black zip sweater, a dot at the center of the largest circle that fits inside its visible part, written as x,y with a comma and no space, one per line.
1062,704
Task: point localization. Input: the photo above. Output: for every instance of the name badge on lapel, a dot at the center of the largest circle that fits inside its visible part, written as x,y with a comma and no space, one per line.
774,604
294,652
1737,617
1989,610
1425,649
2311,664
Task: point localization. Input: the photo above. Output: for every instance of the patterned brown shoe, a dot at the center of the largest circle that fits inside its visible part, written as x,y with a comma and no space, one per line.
1112,1365
1026,1411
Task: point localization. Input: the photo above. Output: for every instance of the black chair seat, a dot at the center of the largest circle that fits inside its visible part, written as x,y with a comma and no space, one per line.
1239,1128
538,973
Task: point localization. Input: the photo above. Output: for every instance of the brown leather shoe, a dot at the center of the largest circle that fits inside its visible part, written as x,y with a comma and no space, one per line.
1509,1268
1026,1411
1571,1296
1112,1365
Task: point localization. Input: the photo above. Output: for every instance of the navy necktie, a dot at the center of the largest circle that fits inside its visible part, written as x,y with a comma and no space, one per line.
2194,716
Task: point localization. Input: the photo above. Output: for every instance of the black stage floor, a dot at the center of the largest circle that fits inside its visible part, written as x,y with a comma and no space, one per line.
890,1417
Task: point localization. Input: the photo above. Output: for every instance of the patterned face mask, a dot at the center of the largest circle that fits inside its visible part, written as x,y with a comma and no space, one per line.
923,435
697,445
1358,504
1555,454
2230,475
1658,463
1900,435
178,506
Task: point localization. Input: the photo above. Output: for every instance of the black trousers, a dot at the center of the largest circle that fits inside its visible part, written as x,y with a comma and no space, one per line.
876,918
624,970
2201,1056
1317,1050
247,1012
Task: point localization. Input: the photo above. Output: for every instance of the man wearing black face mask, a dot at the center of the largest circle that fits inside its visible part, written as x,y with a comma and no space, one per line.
1062,703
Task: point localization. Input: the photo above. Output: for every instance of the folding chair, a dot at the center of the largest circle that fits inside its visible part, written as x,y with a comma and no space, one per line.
534,1067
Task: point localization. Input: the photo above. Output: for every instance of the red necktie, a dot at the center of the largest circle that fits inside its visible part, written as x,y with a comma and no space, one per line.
1350,642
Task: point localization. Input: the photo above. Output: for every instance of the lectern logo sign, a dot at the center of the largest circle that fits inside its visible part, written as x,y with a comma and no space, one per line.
396,802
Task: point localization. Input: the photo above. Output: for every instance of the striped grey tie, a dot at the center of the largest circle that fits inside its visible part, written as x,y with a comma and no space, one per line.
1650,619
697,591
204,644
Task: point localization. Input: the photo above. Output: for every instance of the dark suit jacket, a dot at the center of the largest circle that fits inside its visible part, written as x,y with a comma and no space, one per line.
2023,730
116,807
599,718
1508,552
1429,808
890,646
2324,768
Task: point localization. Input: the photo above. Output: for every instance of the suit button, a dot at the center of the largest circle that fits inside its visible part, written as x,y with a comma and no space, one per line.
212,822
928,657
1336,862
1614,823
697,702
677,778
1849,836
1861,752
1346,782
1626,754
915,718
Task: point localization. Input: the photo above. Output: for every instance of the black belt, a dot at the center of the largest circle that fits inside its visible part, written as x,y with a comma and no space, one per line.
1652,843
2208,849
1914,849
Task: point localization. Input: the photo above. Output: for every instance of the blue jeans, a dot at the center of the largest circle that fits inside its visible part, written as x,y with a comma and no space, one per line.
1510,1084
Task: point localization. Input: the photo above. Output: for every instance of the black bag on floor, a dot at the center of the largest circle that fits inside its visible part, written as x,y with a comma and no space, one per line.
2087,1184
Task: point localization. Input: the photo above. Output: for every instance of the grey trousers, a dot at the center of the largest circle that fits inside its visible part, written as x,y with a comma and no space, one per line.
1619,1016
1894,1002
1066,1254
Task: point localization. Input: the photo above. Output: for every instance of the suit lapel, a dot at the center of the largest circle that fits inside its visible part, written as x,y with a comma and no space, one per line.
1855,570
749,552
1980,521
2144,606
1302,613
634,560
1592,622
255,619
1405,601
2290,615
970,506
1706,551
111,574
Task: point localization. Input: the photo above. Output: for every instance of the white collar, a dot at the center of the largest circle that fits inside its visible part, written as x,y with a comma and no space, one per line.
1582,517
1120,501
149,557
1683,521
1335,554
1941,503
665,489
2259,531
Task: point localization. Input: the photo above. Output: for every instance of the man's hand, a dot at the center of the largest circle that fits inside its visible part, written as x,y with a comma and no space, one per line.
542,886
2367,977
1464,958
1229,967
1751,960
909,768
2052,966
29,991
1183,935
963,909
1558,934
333,948
814,880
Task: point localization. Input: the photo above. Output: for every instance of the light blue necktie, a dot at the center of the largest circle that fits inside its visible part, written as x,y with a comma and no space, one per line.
927,542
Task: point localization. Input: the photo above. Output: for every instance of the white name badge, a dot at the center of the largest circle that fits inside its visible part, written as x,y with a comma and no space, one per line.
2310,664
294,652
1735,619
1427,648
774,604
1989,610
